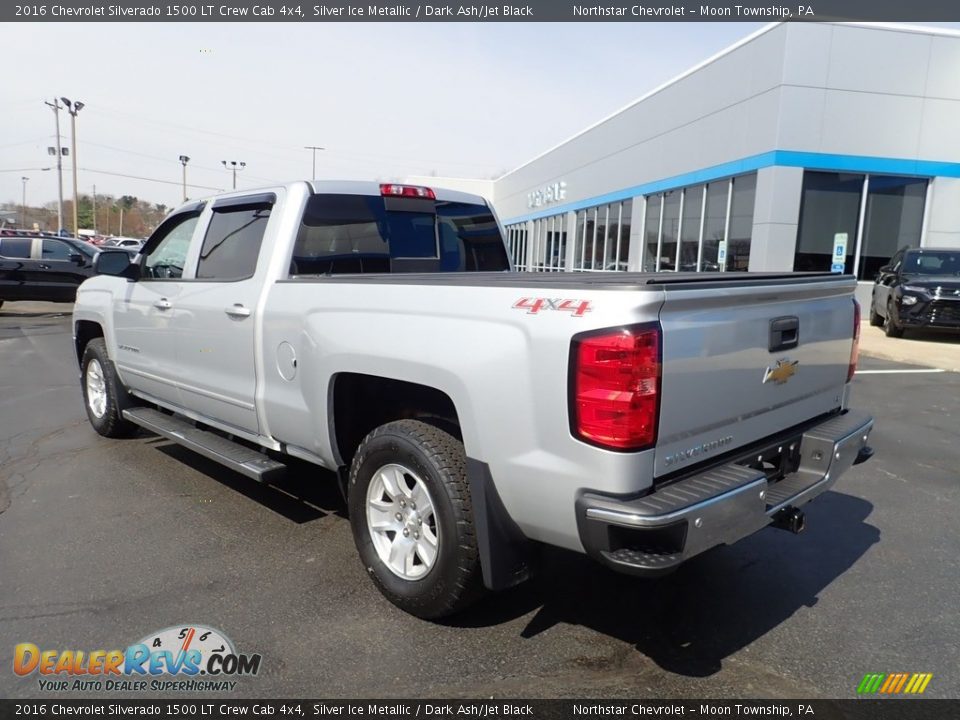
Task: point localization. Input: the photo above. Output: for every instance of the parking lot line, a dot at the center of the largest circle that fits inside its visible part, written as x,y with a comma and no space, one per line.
900,372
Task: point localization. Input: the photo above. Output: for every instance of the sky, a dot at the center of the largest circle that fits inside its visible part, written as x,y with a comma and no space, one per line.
384,100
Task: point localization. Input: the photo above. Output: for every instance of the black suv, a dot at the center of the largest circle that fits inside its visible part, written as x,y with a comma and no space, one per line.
918,288
43,268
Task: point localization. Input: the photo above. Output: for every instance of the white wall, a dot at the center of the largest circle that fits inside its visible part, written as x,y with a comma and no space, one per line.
468,185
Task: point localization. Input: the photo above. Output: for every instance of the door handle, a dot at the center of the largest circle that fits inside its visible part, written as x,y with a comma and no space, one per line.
44,266
162,304
237,310
784,333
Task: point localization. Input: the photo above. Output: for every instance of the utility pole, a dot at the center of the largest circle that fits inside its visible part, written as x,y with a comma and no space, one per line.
73,109
94,209
314,148
23,205
183,161
233,165
55,106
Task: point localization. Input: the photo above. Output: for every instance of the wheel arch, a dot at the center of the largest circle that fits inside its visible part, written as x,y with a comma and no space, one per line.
83,332
358,403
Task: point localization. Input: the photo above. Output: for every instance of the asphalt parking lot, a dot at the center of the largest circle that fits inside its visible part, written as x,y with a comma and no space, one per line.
102,542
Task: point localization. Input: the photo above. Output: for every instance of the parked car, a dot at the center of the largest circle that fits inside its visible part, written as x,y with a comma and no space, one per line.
918,288
43,268
122,242
471,412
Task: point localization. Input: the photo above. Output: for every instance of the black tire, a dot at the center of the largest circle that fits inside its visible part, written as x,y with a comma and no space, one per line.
110,423
890,327
876,319
438,458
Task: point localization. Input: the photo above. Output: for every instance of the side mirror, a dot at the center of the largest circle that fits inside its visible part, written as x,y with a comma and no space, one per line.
76,258
116,263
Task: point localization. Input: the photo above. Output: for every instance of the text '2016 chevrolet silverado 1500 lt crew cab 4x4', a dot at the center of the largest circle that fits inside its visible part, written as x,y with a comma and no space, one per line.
470,412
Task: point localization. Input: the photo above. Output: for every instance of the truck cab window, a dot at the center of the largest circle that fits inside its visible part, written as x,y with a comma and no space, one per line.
165,258
15,247
372,234
56,250
232,243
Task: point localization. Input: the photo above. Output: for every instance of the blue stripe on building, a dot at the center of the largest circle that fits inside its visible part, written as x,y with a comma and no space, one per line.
782,158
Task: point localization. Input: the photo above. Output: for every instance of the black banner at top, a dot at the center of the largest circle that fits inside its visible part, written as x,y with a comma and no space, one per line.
523,11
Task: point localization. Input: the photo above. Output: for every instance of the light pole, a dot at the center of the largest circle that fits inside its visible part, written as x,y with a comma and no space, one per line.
233,165
183,161
73,109
23,205
314,148
55,106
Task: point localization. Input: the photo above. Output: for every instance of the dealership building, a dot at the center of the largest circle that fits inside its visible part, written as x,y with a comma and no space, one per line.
805,146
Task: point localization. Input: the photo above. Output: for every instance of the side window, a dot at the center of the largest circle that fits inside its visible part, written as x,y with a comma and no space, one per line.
15,247
56,250
896,260
166,259
232,243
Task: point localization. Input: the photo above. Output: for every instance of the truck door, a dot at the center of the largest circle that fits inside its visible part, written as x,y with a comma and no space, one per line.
217,311
61,270
144,311
15,267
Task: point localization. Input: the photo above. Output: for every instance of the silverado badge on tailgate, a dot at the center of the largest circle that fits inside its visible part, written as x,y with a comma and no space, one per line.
781,372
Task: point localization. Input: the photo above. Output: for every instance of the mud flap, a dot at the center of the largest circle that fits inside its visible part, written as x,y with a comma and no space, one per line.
505,553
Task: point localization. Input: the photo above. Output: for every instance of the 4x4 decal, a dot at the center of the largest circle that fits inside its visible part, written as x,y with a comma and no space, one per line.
534,305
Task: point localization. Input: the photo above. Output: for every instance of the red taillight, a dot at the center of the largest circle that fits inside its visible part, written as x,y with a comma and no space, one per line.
616,387
855,350
411,191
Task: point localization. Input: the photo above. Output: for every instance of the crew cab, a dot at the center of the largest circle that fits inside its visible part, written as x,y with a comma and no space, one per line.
471,412
47,269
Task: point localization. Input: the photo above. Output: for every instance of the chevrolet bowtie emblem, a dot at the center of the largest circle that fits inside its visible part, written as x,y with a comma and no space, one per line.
781,372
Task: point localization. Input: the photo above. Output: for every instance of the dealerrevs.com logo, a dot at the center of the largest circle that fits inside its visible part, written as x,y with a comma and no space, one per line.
179,658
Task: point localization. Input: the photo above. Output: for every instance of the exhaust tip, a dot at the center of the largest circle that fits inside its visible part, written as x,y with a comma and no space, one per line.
791,519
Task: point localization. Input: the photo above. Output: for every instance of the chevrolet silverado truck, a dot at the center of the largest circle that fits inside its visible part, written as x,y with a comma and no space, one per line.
470,413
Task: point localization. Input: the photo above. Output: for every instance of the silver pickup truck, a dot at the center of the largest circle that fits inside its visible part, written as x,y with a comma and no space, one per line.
470,412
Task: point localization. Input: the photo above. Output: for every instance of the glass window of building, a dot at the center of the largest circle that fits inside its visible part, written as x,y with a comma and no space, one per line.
894,219
603,237
831,206
669,229
685,228
651,233
549,237
517,245
714,225
741,222
690,227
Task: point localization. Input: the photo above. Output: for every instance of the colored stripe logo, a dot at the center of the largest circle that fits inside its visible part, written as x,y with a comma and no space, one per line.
894,683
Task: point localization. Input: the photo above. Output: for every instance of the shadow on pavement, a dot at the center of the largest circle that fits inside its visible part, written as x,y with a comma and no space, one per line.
715,605
687,622
304,494
945,337
52,313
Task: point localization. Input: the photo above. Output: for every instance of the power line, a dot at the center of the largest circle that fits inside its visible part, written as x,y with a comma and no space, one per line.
168,160
149,179
259,142
23,142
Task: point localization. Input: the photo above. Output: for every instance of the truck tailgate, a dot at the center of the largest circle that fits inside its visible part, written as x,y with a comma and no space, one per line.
734,373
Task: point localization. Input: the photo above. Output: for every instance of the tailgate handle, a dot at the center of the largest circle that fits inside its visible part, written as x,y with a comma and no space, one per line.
784,333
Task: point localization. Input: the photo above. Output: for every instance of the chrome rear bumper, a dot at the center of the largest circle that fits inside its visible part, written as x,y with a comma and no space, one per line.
652,534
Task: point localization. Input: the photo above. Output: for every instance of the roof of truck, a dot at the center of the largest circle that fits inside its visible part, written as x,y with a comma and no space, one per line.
344,187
